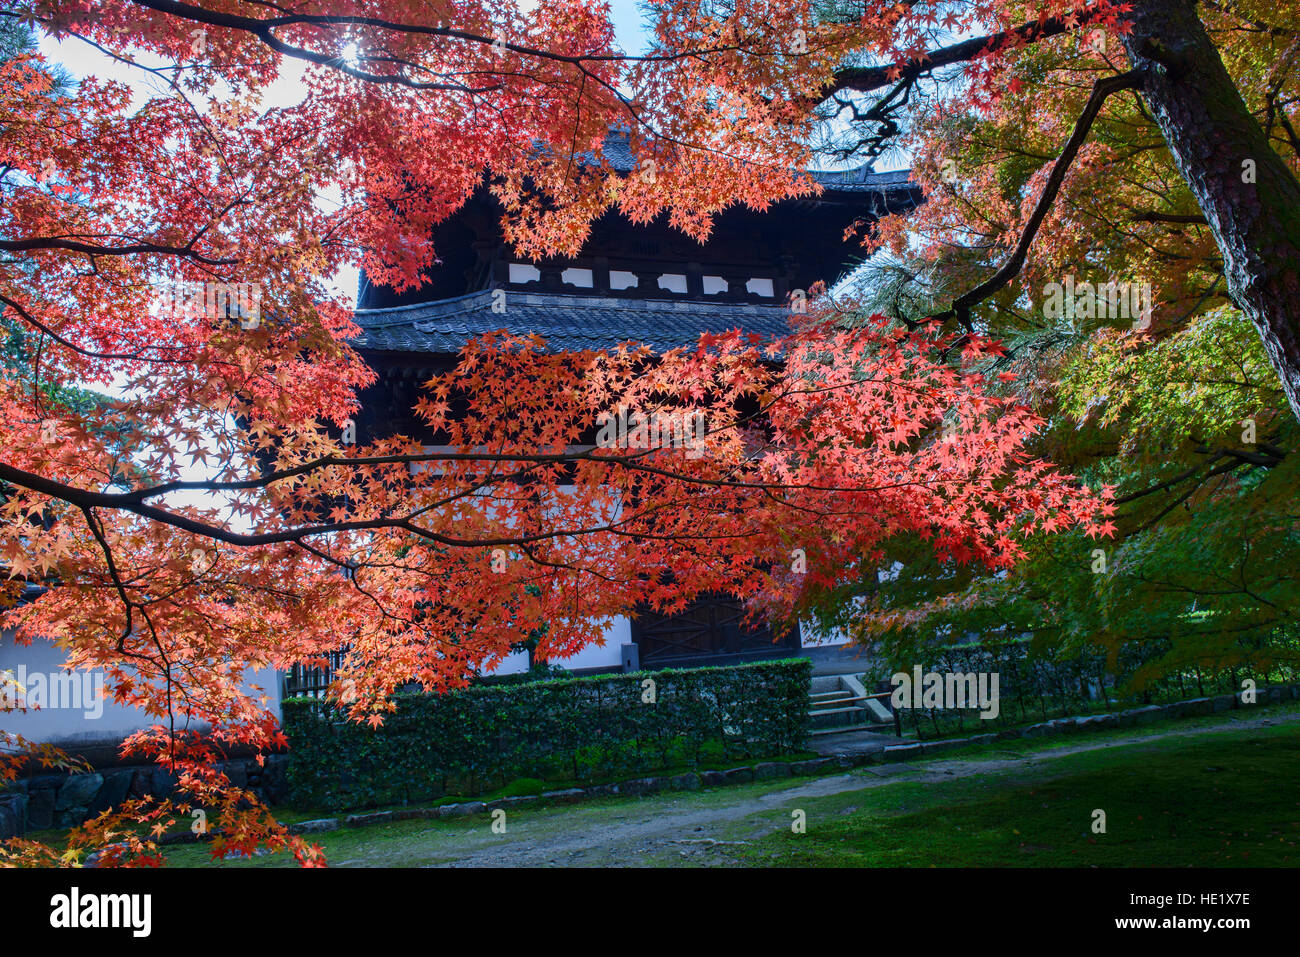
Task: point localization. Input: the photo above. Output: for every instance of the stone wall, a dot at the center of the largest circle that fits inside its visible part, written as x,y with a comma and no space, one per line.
65,800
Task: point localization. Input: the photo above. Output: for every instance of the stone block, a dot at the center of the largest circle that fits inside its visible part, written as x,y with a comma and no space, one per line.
237,772
462,810
902,752
117,782
520,800
1152,712
162,783
372,817
1044,729
13,815
71,817
567,796
931,747
141,782
813,766
317,826
40,808
78,791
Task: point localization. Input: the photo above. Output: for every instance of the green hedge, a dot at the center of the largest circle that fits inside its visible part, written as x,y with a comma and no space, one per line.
576,729
1037,685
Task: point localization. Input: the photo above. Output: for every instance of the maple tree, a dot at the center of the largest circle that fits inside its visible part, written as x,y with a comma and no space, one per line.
1185,415
304,543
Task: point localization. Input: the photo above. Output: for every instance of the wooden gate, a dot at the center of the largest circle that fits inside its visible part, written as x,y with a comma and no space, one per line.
710,630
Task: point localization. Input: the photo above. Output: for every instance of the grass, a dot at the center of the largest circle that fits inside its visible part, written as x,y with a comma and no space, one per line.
1209,791
1220,799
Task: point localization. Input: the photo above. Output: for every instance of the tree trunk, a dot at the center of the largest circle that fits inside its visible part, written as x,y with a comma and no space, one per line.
1249,196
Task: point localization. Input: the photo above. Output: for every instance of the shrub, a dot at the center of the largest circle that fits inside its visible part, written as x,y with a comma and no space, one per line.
1038,684
580,729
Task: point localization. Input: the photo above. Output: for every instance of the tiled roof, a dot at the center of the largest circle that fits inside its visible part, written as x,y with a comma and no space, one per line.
567,322
618,155
860,180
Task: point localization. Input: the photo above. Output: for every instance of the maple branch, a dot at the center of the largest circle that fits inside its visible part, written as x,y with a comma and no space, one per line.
580,454
88,353
1272,458
261,28
1219,470
1101,90
97,530
866,79
135,502
86,499
1153,216
92,250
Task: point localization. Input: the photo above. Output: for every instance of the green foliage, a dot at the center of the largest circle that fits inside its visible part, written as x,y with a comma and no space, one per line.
1039,683
1198,384
581,729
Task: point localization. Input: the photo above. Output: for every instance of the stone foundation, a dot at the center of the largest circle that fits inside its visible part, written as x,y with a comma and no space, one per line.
66,800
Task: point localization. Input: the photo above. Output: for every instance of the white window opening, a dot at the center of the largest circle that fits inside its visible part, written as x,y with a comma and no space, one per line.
577,277
524,273
620,279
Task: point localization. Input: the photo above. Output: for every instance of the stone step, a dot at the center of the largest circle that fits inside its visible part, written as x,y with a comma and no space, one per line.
821,683
847,728
837,716
823,695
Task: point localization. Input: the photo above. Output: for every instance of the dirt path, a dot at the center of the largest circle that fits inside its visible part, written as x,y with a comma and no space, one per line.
693,827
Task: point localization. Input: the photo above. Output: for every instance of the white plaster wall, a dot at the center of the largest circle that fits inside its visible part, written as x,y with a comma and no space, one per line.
809,637
98,719
511,665
617,633
610,655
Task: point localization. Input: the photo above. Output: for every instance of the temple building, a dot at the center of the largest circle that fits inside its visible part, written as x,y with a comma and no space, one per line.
648,284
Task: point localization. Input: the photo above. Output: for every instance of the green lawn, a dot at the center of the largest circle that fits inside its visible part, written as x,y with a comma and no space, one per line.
1221,790
1222,799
